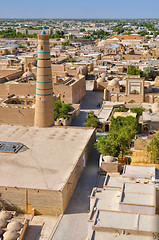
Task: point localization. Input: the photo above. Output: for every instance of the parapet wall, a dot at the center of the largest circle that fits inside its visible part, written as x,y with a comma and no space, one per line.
17,116
25,200
17,89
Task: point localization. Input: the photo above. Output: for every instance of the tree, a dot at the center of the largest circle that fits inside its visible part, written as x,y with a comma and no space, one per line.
153,148
122,109
149,72
132,70
28,44
106,147
61,110
92,120
67,43
82,30
121,132
139,110
21,46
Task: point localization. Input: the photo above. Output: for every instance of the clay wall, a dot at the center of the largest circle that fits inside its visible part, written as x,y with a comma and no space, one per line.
17,116
20,89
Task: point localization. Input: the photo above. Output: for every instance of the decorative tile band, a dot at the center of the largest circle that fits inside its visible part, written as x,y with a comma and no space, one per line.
43,58
44,82
43,52
43,94
44,89
43,67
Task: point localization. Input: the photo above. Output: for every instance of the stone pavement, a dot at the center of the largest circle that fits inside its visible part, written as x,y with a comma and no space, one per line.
89,103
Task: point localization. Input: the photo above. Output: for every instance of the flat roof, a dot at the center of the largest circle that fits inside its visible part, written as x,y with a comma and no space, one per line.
98,235
49,159
104,114
127,221
139,194
139,171
108,199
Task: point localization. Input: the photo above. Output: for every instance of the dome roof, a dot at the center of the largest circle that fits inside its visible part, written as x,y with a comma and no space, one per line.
22,61
15,226
5,215
103,75
100,80
113,83
10,235
3,223
102,43
155,107
109,159
28,74
43,32
117,79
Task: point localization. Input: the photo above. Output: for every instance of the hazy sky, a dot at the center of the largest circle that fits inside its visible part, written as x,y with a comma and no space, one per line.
79,9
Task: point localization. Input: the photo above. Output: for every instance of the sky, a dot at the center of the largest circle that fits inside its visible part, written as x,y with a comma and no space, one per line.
79,9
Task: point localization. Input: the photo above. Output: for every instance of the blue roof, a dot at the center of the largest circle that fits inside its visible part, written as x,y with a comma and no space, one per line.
43,32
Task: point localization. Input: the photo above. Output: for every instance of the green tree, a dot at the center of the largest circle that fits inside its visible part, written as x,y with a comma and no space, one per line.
132,70
61,110
122,109
92,120
121,132
82,30
138,110
67,43
107,147
21,46
149,72
153,148
28,44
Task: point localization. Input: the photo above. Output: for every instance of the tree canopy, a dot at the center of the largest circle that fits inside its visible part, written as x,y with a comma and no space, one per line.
153,148
132,70
121,132
138,110
121,109
149,72
92,120
61,110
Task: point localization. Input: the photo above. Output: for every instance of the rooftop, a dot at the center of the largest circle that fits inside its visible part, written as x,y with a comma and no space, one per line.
51,156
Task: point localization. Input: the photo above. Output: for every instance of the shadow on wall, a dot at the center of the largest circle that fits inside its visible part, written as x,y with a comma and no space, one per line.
33,232
80,202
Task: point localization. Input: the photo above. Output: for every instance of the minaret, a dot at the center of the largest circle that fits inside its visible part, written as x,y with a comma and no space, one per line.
44,108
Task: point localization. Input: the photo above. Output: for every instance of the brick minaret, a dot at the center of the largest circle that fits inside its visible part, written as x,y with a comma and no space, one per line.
44,112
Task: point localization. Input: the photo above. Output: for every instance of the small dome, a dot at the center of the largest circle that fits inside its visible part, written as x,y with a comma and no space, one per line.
5,215
116,79
103,75
43,32
155,107
100,80
22,61
113,83
3,223
10,235
28,74
109,159
14,226
102,43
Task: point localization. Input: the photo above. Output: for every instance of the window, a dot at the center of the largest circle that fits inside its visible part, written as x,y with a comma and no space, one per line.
42,48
